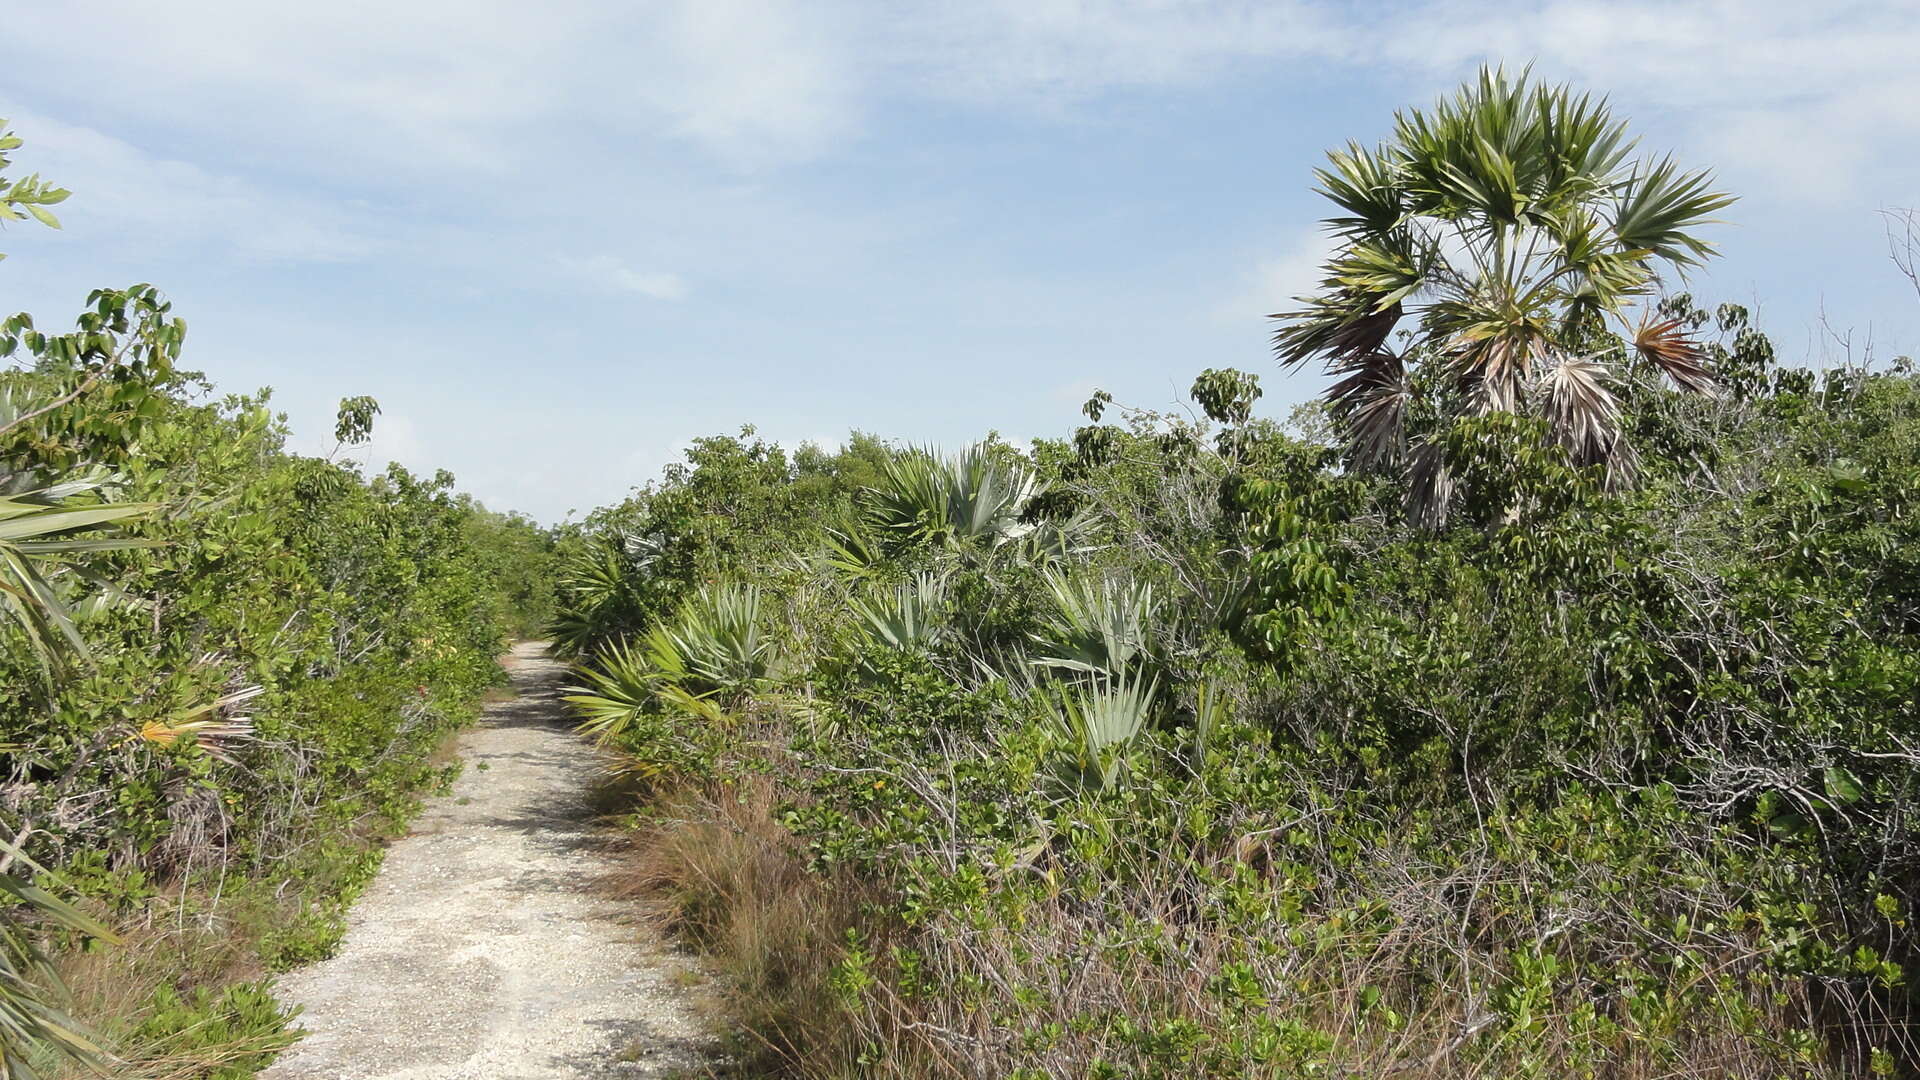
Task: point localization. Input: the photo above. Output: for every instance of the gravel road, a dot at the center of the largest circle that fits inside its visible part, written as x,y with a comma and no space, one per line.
480,950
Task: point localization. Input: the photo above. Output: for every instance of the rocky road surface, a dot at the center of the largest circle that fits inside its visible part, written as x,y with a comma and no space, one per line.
481,950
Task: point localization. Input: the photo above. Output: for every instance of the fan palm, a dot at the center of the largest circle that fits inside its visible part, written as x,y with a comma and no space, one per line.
720,636
1502,231
1101,625
967,501
602,603
1098,720
910,617
713,652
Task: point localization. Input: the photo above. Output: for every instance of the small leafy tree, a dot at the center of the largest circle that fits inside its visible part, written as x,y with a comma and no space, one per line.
28,196
1502,231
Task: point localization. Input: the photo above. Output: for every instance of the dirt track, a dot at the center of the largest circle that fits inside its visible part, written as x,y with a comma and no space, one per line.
479,951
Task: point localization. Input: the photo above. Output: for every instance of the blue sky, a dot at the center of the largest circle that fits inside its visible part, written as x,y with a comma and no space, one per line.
558,241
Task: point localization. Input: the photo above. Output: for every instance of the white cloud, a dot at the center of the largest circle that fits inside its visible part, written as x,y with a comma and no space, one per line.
396,438
358,86
1816,97
755,80
1037,50
1271,284
609,274
1073,394
145,202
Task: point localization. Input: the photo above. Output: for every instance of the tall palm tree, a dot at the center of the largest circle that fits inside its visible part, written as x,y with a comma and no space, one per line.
1501,231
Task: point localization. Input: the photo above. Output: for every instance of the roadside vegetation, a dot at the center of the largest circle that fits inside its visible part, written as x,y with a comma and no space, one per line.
225,670
1540,703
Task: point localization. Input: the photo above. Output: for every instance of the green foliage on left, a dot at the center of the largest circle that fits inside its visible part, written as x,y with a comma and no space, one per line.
224,669
266,651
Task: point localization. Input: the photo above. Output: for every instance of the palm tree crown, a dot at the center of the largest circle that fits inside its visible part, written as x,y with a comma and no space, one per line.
1499,231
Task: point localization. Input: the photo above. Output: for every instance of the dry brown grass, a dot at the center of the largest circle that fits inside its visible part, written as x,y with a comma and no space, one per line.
187,940
717,869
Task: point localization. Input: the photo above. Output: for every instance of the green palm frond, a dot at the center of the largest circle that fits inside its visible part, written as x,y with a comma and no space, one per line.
1659,204
710,655
29,987
1100,625
1366,184
38,528
912,617
851,551
622,684
598,584
1099,720
967,501
721,640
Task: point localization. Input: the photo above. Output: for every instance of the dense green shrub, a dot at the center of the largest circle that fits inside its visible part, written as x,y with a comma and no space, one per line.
1253,777
271,666
1542,704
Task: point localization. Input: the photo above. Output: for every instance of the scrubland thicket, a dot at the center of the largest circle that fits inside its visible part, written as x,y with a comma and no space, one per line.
1540,704
224,672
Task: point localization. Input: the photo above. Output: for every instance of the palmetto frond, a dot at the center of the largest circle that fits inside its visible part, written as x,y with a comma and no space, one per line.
212,732
720,638
598,583
1058,540
38,528
1101,625
1098,720
851,551
28,983
967,500
711,653
912,617
621,684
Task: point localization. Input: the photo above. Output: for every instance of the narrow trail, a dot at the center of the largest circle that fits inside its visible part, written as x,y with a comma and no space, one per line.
480,951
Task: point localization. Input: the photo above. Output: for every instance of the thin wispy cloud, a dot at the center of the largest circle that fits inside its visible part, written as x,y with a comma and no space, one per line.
608,274
139,200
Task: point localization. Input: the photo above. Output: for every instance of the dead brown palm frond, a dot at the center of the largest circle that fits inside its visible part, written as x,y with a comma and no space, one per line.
1365,334
1668,344
1373,400
1430,485
1344,328
1493,368
1581,411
